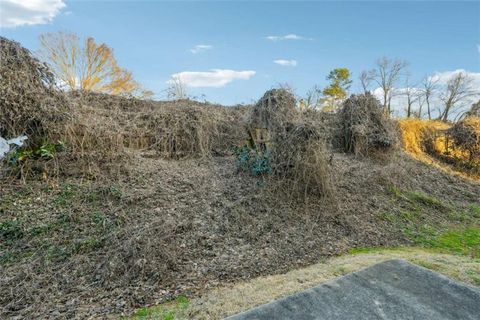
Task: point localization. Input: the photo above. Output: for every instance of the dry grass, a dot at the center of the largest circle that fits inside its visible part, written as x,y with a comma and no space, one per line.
299,160
179,131
143,229
174,129
433,142
170,228
97,129
239,297
414,132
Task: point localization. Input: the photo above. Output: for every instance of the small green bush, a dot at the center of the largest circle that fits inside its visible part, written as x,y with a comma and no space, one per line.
46,151
249,159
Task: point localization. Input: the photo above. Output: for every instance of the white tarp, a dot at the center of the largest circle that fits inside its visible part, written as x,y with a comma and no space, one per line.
5,144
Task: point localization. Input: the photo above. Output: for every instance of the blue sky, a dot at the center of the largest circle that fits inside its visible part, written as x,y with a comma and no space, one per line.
157,39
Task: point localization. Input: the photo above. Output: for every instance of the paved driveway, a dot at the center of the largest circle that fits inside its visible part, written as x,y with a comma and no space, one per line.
393,289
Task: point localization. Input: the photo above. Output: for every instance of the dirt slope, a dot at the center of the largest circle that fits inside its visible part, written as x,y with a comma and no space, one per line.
181,227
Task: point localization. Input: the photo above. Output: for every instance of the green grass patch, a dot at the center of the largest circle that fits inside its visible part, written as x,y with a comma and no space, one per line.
53,224
402,216
425,200
58,239
416,199
462,240
173,310
429,222
474,276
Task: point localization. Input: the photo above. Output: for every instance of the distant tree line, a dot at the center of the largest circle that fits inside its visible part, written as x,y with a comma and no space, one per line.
390,79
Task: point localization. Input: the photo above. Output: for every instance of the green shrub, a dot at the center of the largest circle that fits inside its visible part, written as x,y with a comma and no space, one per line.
46,151
249,159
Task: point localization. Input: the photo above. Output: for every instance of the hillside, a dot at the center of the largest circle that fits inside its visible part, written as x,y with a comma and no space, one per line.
174,227
137,202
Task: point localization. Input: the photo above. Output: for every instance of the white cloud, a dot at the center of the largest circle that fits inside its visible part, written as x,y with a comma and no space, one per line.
286,63
214,78
15,13
378,93
290,36
201,48
443,77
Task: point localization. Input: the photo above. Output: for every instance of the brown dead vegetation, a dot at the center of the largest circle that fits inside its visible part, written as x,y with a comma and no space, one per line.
366,129
30,103
295,147
299,159
177,218
273,111
99,129
173,129
181,227
466,136
453,148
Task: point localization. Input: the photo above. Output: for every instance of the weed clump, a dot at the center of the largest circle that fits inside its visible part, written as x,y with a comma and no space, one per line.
299,158
474,110
366,129
250,159
273,111
281,144
466,136
30,102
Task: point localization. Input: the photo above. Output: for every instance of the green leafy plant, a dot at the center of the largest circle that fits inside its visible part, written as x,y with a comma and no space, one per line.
250,159
47,150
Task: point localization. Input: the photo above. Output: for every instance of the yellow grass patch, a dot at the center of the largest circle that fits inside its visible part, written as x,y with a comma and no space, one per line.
427,141
414,131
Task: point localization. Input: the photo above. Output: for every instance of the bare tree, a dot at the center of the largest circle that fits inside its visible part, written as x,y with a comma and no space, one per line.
313,98
176,90
386,74
421,103
429,87
458,90
90,66
474,110
365,81
411,94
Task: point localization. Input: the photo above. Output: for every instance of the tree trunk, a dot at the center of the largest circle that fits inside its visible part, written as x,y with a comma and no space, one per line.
428,108
385,105
444,116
